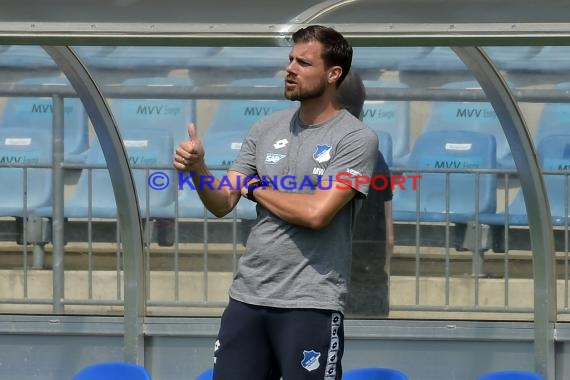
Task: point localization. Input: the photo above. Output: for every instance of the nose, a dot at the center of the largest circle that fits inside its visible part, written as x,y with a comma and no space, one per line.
290,67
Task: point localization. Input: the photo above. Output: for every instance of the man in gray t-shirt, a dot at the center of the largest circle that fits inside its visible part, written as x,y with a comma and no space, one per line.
308,170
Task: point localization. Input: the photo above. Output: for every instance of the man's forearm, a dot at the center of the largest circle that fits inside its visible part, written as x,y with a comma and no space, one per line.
217,199
312,210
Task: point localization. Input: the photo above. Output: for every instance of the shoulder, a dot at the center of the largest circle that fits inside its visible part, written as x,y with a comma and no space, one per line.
350,124
352,129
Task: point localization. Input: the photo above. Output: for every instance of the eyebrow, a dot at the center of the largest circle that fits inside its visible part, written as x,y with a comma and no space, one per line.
300,59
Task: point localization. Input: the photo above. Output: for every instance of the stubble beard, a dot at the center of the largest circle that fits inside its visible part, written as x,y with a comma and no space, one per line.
298,94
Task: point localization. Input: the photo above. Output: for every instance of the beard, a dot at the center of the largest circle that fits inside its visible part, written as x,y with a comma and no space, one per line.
300,94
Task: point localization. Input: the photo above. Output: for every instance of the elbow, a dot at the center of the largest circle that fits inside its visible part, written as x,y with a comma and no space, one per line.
220,213
222,207
318,220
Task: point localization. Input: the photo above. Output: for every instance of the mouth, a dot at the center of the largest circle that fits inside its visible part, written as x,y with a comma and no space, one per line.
289,83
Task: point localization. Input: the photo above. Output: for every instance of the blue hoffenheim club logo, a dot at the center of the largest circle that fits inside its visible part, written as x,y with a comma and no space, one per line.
322,153
310,360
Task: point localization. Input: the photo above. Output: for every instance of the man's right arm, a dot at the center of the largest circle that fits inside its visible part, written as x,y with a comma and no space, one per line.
219,198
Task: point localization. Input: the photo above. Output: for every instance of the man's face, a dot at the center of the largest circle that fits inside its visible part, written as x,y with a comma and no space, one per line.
306,72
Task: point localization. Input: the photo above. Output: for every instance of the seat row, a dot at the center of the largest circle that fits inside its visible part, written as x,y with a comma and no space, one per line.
129,371
390,119
380,373
458,140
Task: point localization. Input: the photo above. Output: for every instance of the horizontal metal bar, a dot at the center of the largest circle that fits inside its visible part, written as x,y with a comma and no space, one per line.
439,330
367,329
260,93
562,331
61,324
200,327
179,34
26,301
89,302
187,304
180,326
444,308
40,301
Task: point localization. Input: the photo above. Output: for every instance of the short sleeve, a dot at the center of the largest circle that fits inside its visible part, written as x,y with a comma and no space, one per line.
245,163
354,160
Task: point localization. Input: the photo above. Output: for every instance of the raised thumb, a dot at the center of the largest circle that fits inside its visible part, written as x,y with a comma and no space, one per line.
192,132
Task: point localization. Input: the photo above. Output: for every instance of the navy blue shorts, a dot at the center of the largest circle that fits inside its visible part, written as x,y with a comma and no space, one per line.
266,343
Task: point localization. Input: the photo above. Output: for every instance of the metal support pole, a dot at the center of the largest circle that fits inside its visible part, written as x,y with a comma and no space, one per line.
125,195
58,199
38,253
536,200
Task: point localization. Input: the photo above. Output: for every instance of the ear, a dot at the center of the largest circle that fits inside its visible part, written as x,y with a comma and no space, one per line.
334,74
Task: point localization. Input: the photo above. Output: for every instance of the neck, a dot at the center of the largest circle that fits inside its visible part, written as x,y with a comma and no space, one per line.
318,110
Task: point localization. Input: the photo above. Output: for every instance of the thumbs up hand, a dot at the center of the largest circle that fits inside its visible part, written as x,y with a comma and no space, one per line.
190,153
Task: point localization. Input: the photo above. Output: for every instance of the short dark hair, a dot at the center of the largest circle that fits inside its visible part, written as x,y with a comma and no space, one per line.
337,51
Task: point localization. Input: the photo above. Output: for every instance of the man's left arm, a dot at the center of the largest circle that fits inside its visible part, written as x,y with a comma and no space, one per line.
313,210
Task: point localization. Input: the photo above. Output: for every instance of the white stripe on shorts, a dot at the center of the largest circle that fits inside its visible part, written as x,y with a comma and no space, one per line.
332,357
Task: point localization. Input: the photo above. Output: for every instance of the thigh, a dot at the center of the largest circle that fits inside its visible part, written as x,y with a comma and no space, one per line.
242,351
308,343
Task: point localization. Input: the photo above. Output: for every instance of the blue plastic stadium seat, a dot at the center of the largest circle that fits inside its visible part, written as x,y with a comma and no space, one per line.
149,58
267,56
377,59
442,59
90,55
37,113
167,115
392,117
233,119
511,58
27,57
260,60
206,375
449,150
470,116
231,123
551,59
146,148
511,375
439,59
374,374
20,146
113,371
554,154
555,117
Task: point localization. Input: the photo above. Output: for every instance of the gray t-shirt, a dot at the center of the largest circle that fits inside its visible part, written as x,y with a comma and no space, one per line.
286,265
